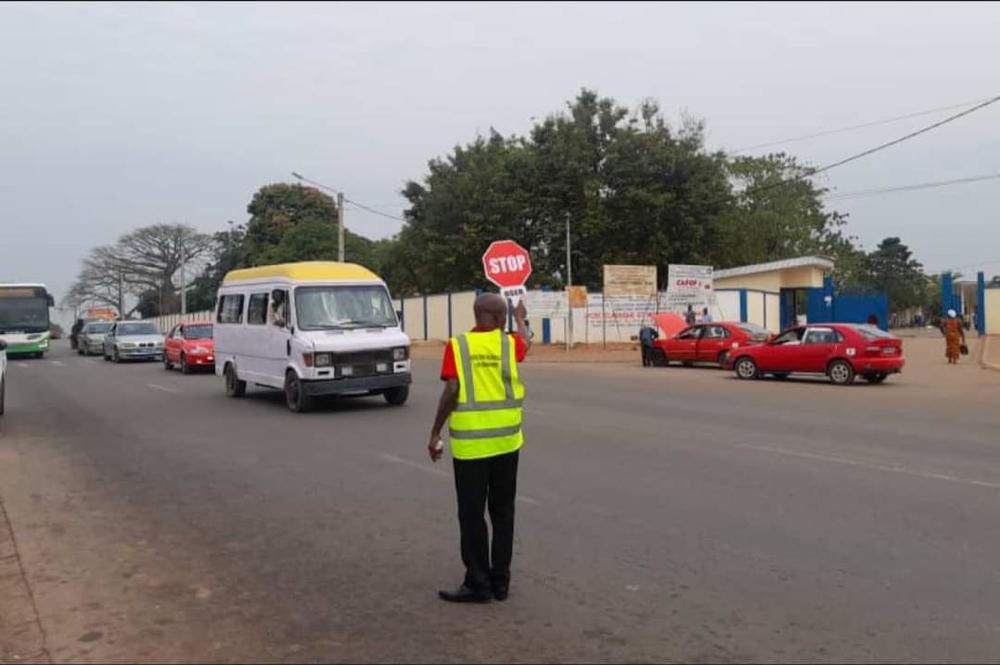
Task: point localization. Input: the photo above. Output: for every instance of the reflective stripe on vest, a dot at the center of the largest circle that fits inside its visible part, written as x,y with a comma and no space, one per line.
487,419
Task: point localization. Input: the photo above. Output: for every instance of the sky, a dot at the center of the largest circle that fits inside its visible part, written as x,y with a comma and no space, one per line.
119,115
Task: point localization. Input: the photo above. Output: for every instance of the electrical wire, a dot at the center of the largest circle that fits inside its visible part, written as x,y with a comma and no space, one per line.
865,193
813,172
851,128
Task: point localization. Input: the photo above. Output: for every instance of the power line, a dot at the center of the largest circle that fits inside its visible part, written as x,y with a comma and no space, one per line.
851,128
864,193
812,172
374,211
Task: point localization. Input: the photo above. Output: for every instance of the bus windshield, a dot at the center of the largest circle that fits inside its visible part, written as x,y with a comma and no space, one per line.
338,307
24,310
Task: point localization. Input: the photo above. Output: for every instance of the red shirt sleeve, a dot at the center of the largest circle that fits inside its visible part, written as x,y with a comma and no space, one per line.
520,348
448,368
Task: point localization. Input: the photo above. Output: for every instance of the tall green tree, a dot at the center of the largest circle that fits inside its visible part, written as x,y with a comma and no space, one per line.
894,270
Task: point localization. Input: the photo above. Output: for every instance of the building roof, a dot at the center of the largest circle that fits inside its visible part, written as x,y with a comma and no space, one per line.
306,271
773,266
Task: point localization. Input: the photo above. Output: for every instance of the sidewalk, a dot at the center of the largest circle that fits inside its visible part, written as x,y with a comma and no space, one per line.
990,356
21,636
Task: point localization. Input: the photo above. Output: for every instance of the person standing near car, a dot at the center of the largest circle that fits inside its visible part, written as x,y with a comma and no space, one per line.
690,317
482,398
646,336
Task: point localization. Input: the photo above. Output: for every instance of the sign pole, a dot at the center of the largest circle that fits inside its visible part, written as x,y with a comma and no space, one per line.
569,283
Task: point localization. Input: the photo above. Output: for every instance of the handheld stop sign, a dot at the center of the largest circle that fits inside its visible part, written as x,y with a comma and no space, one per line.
508,265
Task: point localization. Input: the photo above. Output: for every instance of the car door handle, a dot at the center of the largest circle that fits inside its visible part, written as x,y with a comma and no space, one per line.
288,348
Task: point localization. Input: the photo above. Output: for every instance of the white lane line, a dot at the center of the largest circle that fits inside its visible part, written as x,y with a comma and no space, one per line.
415,465
437,472
874,467
24,365
58,363
92,361
161,388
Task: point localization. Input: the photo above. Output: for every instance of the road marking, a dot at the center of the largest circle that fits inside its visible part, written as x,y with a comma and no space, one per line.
874,467
58,363
415,465
24,365
437,472
155,386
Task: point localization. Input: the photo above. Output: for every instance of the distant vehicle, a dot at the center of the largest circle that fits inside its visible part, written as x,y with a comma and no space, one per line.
101,314
133,340
708,342
190,346
840,351
56,331
24,318
311,329
3,373
90,340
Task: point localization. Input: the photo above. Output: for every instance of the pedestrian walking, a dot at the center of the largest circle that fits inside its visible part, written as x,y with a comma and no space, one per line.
482,398
706,317
954,336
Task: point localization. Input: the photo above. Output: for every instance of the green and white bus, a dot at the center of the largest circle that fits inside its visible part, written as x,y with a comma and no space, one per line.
24,318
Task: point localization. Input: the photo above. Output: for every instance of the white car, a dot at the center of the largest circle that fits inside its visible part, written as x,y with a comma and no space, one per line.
3,372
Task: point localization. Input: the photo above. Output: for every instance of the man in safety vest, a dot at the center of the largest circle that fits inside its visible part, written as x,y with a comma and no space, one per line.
482,397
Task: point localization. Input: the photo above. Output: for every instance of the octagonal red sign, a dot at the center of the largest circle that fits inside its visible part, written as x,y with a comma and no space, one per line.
507,264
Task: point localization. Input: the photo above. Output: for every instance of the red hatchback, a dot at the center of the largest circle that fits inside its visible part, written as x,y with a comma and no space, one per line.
707,342
840,351
190,346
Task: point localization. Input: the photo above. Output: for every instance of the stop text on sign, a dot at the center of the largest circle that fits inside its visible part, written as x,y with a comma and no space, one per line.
504,264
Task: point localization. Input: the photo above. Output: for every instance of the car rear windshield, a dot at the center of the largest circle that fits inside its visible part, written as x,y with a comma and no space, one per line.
137,329
873,333
755,331
96,328
198,332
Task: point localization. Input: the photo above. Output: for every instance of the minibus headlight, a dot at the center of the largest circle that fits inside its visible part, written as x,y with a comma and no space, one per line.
323,360
400,353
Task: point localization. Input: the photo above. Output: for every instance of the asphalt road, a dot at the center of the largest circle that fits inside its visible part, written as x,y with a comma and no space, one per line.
665,515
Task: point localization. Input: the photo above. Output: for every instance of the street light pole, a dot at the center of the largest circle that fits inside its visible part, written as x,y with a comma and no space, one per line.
569,283
340,211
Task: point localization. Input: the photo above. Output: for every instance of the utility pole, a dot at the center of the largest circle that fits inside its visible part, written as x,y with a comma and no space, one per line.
340,226
569,283
183,278
121,293
340,211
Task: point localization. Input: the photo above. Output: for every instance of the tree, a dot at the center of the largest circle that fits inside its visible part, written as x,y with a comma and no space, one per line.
143,262
894,270
225,252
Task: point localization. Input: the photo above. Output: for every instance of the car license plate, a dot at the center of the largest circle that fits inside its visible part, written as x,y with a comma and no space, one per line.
889,350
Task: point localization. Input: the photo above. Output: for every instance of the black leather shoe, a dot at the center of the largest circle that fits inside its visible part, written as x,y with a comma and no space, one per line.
501,592
465,595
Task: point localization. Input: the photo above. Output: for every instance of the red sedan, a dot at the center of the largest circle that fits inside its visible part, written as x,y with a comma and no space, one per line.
707,342
840,351
190,346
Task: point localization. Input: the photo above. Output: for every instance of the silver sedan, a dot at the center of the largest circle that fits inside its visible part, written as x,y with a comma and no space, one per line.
91,338
133,340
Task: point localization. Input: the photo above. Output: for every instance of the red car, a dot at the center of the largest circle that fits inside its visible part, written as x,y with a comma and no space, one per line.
707,342
840,351
190,346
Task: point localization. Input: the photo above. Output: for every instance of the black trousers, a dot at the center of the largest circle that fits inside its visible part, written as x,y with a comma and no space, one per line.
490,482
647,356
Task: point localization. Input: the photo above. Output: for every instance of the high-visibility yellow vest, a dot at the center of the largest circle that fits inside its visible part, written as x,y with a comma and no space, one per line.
487,420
